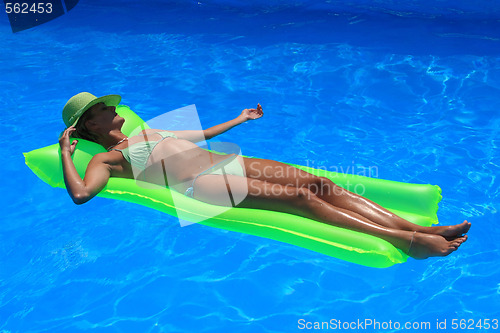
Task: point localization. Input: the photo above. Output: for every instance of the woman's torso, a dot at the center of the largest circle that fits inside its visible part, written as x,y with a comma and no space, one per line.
173,162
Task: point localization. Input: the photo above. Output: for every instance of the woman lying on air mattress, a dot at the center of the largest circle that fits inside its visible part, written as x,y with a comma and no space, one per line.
213,178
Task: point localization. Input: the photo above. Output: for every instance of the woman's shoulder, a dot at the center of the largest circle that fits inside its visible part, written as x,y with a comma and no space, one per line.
111,157
114,161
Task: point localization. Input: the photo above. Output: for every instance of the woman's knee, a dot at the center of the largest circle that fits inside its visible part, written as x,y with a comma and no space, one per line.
322,186
303,197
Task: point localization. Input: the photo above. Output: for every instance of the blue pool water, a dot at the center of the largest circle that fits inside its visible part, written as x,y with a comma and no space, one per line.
411,88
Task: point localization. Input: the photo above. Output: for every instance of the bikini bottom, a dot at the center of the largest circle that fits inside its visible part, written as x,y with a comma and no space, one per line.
229,166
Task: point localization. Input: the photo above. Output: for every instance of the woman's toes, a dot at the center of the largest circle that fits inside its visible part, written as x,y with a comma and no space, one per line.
427,245
467,226
453,231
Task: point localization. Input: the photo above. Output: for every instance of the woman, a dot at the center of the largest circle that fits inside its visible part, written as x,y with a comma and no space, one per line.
259,183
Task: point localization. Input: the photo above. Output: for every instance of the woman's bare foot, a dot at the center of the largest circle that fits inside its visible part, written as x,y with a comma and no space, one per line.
428,245
450,232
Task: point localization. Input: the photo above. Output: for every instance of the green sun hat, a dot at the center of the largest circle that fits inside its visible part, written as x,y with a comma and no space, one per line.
78,104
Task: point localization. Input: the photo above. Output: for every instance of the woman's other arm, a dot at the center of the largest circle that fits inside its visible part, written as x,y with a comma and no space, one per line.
96,175
196,136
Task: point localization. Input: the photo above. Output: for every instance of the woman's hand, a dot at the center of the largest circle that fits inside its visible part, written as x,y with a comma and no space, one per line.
64,141
251,114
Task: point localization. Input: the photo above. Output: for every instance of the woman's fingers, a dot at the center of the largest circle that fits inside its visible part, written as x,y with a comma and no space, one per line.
63,137
73,146
259,109
64,140
69,130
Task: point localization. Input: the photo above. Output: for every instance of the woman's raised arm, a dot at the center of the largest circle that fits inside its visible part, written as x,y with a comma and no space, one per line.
96,175
196,136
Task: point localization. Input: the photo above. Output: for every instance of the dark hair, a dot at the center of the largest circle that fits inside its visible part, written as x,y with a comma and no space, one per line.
82,130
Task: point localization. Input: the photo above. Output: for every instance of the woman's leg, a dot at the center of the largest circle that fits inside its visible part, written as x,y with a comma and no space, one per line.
301,201
277,172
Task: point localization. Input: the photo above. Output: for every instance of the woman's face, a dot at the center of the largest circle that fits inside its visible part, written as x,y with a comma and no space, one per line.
105,117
